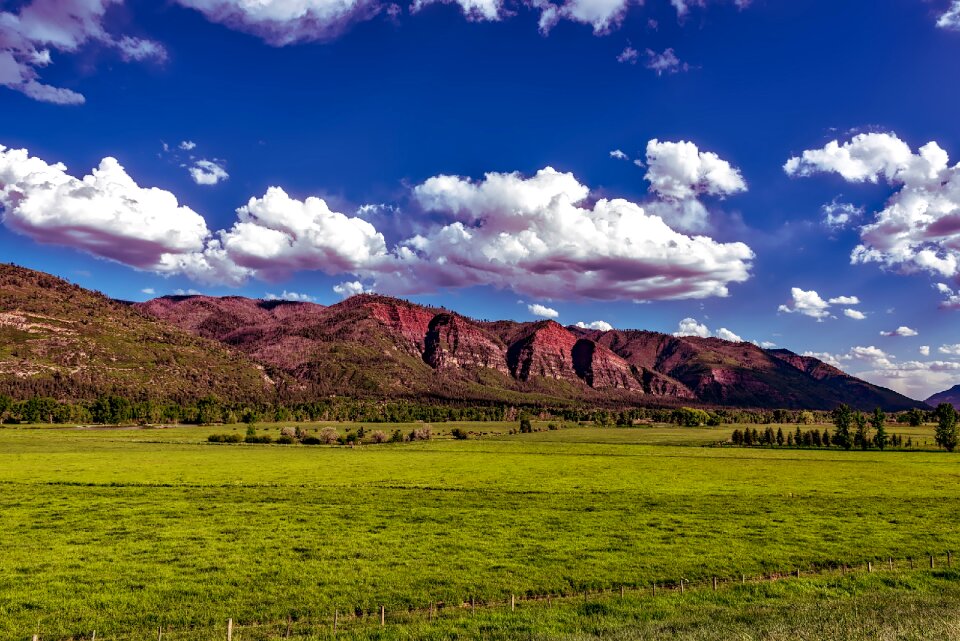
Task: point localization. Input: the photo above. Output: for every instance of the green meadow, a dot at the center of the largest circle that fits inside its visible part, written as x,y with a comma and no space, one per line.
126,530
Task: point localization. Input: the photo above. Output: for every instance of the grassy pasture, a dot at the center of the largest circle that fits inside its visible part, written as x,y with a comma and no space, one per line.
125,530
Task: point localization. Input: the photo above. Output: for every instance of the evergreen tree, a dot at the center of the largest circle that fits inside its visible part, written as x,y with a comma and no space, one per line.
842,417
747,437
880,431
798,437
779,436
789,439
947,434
825,439
816,437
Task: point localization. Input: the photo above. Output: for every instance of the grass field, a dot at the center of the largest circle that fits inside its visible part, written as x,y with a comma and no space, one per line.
123,531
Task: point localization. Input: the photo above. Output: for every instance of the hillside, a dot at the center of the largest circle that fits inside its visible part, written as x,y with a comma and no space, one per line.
60,340
381,347
951,396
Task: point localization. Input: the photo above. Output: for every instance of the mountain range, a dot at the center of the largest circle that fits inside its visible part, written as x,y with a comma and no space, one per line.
62,340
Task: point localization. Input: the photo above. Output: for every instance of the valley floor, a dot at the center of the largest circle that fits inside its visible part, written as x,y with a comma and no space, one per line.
126,531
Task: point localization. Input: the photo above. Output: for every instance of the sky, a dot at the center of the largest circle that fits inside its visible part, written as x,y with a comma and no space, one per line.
778,172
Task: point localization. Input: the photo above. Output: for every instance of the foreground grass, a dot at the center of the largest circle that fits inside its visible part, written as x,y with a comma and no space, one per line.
131,530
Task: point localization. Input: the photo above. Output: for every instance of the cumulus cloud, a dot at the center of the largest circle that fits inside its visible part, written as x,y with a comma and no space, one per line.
187,145
539,237
291,296
282,22
950,19
603,326
665,62
951,299
542,311
105,213
37,28
207,172
727,335
925,350
765,344
472,9
619,155
679,174
149,291
810,303
953,350
690,327
351,288
919,228
903,330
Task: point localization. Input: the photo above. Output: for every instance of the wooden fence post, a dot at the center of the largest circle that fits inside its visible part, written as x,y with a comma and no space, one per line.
383,616
681,586
911,562
93,637
743,578
869,566
548,600
931,561
654,588
513,603
714,584
890,560
948,558
798,573
229,629
473,606
431,610
621,591
160,633
336,616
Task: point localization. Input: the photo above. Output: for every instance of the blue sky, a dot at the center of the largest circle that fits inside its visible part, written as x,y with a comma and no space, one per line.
393,115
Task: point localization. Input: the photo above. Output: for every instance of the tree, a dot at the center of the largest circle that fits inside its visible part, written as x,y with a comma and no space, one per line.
862,436
877,422
842,417
825,439
779,436
947,434
525,426
915,417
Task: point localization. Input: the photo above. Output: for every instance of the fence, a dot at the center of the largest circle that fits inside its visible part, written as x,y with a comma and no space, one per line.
345,620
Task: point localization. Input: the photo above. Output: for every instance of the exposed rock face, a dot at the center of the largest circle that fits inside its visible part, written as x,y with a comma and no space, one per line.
452,342
371,344
546,351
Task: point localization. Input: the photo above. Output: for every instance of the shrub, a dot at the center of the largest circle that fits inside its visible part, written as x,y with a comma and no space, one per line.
552,426
225,438
329,436
286,439
424,433
396,437
378,436
459,434
253,438
525,426
311,440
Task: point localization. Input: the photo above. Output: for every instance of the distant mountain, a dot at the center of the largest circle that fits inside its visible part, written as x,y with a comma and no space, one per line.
60,340
381,347
951,396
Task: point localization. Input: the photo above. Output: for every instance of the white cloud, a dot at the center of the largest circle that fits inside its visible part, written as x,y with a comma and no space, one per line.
187,145
765,344
838,215
603,326
291,296
351,288
105,214
534,235
951,299
690,327
953,350
284,22
919,228
808,303
187,292
542,311
903,330
950,19
844,300
727,335
854,314
925,350
207,172
149,291
826,357
472,9
619,155
665,62
915,379
602,15
28,36
629,55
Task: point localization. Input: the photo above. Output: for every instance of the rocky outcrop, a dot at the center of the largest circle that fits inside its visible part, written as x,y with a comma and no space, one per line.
452,342
546,350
